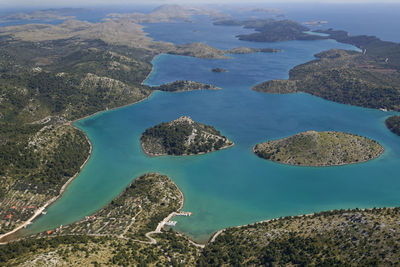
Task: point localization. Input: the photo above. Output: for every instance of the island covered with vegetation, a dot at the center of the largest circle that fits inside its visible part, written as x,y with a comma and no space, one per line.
182,136
313,148
271,30
393,123
181,86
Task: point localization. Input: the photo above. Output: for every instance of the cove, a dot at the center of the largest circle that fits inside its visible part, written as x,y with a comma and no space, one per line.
232,186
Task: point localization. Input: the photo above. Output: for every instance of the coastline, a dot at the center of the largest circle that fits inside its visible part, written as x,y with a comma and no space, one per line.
151,71
200,153
216,234
39,211
101,111
169,217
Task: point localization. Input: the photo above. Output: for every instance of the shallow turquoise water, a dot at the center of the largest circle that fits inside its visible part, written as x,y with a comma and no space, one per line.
232,186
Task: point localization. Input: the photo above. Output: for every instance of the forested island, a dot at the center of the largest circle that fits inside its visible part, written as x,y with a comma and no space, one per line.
270,30
313,148
181,86
393,123
182,136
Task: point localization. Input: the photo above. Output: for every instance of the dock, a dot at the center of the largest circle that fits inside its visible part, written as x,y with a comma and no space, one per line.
171,223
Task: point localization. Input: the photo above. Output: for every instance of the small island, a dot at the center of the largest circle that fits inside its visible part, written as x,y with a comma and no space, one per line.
313,148
393,123
249,50
271,30
181,86
182,136
218,70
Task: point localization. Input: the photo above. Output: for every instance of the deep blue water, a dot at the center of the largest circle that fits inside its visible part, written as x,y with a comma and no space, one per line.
232,186
379,19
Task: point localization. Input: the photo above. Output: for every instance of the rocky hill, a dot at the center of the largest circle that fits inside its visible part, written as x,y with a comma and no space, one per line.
182,136
320,149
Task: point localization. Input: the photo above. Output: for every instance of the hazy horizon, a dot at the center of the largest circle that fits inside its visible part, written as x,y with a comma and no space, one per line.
89,3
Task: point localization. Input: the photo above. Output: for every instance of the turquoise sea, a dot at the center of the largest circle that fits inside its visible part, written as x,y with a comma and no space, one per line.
232,186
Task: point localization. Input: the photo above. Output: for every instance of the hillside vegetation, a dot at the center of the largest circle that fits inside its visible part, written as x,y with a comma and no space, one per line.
334,238
319,149
343,76
182,136
137,210
43,86
117,234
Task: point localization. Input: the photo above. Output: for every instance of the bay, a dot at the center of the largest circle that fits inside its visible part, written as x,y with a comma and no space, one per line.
232,186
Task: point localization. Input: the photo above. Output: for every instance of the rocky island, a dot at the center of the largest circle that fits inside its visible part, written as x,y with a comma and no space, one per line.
393,123
182,136
181,86
313,148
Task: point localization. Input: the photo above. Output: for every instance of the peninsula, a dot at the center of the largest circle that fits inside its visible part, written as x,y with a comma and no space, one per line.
313,148
347,77
182,136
